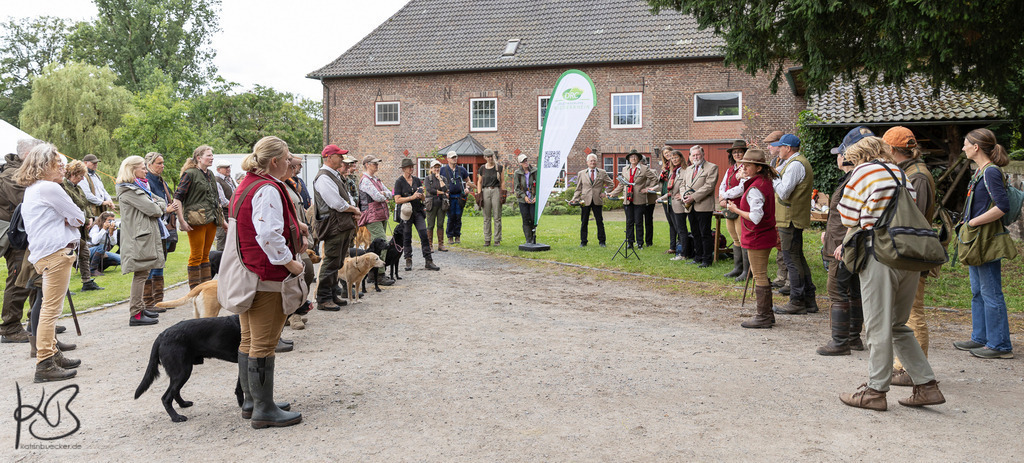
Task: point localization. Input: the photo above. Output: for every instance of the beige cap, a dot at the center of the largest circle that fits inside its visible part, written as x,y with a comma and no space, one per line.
522,158
452,154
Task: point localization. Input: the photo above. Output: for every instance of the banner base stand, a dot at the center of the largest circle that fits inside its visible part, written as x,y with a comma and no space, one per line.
534,247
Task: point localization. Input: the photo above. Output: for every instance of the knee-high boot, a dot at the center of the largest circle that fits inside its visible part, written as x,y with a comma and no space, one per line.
158,289
194,276
243,383
840,343
856,324
205,272
764,317
265,412
737,262
746,267
440,240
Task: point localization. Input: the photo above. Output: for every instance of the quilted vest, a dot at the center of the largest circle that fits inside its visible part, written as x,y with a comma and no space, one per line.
797,209
252,254
761,235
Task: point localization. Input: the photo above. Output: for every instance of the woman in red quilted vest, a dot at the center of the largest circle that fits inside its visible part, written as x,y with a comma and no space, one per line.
756,210
270,240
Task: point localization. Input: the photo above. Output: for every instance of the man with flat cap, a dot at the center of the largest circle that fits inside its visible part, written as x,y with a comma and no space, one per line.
792,216
225,190
336,217
92,185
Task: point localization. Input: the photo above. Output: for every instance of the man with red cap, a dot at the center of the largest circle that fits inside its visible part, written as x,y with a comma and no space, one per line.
335,217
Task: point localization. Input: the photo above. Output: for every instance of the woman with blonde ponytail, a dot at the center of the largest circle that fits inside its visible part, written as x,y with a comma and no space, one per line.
269,237
199,212
987,202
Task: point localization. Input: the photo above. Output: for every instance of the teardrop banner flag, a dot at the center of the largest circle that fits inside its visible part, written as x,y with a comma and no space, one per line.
569,106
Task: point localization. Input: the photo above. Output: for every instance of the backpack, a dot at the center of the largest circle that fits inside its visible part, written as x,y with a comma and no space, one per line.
16,234
903,238
1016,197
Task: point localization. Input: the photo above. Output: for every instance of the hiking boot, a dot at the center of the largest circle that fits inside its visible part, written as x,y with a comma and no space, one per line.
811,302
64,362
866,398
784,290
924,394
779,282
18,337
91,286
295,321
967,345
327,306
791,308
900,377
986,353
856,344
48,370
408,264
429,265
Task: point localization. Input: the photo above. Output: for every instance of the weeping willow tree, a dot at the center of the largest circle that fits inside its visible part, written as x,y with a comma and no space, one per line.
77,107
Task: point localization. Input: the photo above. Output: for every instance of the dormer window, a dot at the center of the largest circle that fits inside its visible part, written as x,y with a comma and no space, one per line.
511,47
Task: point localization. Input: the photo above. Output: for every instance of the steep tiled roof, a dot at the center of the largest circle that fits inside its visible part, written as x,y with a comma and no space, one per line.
467,146
910,102
451,35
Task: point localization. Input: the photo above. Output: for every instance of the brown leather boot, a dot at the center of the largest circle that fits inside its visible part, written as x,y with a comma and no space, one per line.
49,370
924,394
866,398
32,346
839,345
764,317
430,243
205,272
147,294
900,377
158,289
440,240
856,325
65,346
194,277
793,307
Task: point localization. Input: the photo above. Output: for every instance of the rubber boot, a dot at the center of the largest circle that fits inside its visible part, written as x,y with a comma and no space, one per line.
65,346
158,289
265,412
840,343
856,324
764,317
243,380
737,262
194,276
745,273
205,272
440,240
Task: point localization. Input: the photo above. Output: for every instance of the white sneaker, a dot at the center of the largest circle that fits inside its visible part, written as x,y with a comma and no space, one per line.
677,258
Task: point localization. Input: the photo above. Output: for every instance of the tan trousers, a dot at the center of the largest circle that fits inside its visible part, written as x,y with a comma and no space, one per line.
135,302
733,226
261,325
56,271
888,295
759,265
917,322
492,209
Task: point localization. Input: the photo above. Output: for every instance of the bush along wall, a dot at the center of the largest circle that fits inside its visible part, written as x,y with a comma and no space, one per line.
816,144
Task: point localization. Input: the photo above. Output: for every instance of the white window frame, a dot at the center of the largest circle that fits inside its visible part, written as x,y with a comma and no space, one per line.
736,117
376,113
541,112
640,111
473,128
423,166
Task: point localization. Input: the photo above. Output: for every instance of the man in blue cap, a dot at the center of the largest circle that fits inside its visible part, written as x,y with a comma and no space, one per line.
792,216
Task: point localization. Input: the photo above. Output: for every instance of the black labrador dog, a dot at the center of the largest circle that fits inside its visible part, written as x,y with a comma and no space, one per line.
377,246
394,254
188,343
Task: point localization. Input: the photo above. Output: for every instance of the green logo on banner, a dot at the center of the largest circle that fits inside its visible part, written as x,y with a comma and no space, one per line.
572,94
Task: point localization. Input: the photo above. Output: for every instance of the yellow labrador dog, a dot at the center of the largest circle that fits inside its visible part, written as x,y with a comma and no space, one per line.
354,270
203,298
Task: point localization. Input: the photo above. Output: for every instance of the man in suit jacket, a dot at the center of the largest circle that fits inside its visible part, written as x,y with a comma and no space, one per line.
590,185
698,194
635,197
225,190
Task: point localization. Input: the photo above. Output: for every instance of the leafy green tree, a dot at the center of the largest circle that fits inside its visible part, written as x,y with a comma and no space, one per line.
233,122
27,46
158,123
137,37
77,107
967,45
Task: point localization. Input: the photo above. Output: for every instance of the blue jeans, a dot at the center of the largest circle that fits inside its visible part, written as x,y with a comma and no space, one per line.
455,215
109,260
988,307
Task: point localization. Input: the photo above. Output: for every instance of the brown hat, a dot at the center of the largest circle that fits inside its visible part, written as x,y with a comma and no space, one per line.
90,158
407,162
900,137
369,158
758,156
774,136
738,145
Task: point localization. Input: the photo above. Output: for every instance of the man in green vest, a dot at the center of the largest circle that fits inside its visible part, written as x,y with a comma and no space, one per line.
335,223
792,216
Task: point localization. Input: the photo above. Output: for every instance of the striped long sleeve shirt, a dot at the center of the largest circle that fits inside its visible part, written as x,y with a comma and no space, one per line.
867,193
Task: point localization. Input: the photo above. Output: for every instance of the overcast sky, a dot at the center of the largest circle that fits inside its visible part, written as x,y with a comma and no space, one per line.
267,42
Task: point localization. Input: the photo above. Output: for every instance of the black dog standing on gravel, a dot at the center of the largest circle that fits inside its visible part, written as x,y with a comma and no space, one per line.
188,343
394,253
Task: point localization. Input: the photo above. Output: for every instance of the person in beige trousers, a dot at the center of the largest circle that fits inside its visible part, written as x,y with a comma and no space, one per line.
698,195
590,193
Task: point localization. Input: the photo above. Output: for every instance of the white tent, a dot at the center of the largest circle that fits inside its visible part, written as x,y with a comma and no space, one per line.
9,136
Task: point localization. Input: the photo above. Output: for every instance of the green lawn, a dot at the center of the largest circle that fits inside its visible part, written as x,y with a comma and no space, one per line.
951,290
118,286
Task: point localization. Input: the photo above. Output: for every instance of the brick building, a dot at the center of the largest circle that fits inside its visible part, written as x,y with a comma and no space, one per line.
441,70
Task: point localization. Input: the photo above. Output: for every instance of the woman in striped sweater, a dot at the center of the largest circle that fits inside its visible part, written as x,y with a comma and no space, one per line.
887,293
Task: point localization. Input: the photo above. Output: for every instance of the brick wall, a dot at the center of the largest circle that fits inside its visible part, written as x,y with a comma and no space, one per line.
435,110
